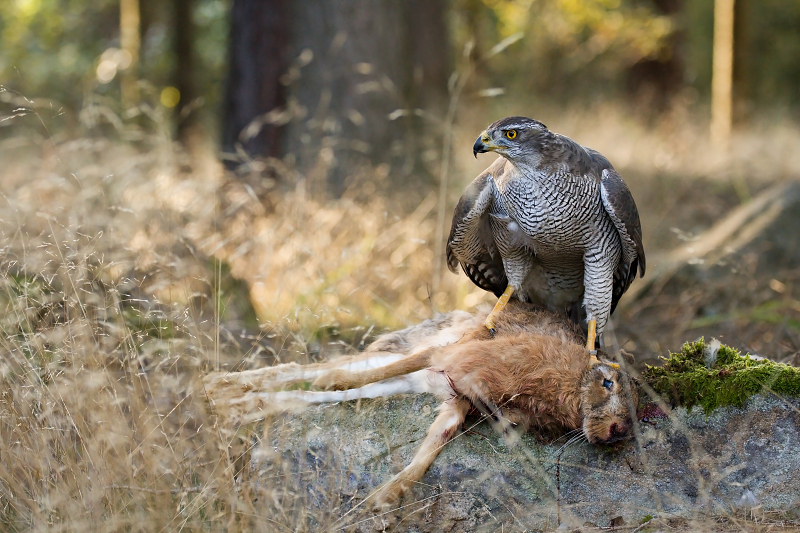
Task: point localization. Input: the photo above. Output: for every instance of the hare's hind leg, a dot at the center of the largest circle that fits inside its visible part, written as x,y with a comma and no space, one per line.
255,404
451,415
278,376
352,376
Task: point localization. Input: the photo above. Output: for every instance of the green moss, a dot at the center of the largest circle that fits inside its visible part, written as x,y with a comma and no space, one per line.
731,380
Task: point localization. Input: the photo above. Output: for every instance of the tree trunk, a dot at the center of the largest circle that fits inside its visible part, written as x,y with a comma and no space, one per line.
259,41
722,74
130,42
655,81
358,70
371,59
187,124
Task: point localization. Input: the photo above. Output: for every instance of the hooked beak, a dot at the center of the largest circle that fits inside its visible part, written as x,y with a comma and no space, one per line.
482,144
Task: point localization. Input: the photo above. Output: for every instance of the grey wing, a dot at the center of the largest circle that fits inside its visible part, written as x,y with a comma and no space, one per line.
471,243
618,203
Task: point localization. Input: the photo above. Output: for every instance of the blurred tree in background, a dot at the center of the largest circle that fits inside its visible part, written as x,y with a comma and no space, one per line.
334,85
68,55
572,48
323,82
259,57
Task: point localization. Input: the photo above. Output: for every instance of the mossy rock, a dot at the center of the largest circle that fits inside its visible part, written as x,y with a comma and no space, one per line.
712,375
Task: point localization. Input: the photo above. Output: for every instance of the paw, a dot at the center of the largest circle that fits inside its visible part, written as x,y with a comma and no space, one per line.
334,380
388,496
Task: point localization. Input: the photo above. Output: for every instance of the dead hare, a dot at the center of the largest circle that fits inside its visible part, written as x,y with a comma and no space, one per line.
535,373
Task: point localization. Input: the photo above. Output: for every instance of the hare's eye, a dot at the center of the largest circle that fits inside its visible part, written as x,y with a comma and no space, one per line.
607,383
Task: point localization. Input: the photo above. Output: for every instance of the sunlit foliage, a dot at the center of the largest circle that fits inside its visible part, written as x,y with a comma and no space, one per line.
68,51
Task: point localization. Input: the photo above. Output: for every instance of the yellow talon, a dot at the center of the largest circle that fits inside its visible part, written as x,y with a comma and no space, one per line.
593,360
501,304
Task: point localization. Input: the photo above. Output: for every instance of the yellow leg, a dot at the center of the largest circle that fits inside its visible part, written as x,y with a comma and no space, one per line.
498,307
591,335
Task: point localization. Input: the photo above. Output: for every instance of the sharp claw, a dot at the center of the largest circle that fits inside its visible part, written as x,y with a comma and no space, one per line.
492,331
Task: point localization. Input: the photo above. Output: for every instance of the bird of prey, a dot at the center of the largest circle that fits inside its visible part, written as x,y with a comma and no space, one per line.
550,221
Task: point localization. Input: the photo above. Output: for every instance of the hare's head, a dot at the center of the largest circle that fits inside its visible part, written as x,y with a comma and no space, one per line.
608,401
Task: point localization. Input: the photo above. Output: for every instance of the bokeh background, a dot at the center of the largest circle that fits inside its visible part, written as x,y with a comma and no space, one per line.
190,185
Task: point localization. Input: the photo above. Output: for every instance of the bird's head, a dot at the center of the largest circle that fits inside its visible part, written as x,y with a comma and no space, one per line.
515,138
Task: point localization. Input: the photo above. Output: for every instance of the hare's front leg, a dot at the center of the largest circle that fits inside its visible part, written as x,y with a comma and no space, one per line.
451,415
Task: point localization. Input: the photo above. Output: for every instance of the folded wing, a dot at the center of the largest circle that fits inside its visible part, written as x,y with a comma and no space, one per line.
471,243
618,203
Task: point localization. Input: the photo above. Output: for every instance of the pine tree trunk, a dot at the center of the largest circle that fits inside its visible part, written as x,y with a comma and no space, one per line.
258,56
722,74
130,42
350,80
188,126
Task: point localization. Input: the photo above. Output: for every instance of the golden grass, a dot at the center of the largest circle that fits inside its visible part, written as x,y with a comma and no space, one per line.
100,423
117,297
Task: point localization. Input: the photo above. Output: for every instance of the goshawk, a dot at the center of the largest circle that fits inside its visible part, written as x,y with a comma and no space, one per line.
551,222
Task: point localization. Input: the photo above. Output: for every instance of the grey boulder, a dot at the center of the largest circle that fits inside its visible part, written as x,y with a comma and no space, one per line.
317,467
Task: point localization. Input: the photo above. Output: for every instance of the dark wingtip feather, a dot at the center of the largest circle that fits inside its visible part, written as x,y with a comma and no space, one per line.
452,260
486,275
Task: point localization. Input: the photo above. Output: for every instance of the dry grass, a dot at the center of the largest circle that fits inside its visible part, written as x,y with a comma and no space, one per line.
104,334
119,267
117,297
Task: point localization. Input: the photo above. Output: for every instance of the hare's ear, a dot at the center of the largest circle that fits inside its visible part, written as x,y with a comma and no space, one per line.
627,357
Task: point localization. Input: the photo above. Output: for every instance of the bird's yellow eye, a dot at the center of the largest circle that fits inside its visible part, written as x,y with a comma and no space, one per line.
511,134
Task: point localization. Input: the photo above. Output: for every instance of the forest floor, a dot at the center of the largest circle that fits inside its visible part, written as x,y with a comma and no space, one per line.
129,269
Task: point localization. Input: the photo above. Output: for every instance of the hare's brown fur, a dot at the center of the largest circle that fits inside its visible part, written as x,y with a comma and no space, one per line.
534,372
